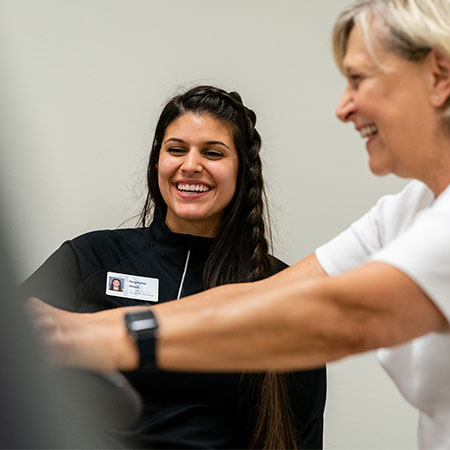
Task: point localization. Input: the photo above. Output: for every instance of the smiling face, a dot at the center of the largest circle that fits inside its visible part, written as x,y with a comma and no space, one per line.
197,171
116,285
390,108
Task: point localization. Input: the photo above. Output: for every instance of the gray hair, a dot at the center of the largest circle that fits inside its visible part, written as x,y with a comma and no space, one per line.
412,29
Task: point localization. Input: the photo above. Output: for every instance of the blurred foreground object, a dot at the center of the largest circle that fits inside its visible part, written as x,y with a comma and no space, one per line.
44,408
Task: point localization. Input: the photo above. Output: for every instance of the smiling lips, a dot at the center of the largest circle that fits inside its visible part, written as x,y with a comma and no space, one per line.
192,188
368,130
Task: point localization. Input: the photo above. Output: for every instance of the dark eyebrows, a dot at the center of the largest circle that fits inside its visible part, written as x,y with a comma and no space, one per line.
174,140
181,141
216,143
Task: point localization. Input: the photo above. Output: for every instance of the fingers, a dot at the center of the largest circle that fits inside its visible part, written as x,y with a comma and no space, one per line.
88,341
48,322
37,311
34,306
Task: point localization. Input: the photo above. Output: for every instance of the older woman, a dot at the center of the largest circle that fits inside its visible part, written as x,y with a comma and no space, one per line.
388,274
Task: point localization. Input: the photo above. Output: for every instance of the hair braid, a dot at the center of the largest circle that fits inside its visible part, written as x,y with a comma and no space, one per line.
273,420
261,263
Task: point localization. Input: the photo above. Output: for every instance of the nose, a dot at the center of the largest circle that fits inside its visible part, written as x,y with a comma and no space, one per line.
192,162
346,106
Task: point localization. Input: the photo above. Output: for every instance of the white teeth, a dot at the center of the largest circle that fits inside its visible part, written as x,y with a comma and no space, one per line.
368,131
192,187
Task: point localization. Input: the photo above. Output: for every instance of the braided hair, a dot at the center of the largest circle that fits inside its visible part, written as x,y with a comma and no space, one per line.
243,224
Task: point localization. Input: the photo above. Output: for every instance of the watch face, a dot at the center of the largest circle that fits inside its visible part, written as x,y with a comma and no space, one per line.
141,322
143,327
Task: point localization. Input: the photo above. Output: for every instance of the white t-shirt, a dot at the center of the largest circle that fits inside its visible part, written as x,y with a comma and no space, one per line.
411,231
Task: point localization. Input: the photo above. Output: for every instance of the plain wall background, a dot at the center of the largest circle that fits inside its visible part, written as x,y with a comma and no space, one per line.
82,83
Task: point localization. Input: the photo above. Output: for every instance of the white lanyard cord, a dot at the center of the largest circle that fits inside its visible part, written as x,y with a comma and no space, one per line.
184,274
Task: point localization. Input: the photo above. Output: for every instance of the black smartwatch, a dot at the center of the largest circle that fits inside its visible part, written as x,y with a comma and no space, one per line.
143,327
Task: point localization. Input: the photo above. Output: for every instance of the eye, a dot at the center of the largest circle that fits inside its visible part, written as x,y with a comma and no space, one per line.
176,151
355,80
213,154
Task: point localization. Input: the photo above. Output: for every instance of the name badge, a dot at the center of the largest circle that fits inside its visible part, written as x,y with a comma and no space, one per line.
132,286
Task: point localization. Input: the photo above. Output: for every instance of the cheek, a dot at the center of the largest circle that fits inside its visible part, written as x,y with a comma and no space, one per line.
233,184
160,180
230,181
165,170
163,180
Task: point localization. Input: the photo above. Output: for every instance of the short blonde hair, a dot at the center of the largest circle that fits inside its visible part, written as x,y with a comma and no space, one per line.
413,28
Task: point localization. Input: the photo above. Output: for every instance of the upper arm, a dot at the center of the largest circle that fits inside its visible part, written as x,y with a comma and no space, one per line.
308,267
384,305
56,280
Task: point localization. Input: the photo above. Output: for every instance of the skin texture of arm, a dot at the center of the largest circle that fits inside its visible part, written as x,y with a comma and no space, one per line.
301,324
296,319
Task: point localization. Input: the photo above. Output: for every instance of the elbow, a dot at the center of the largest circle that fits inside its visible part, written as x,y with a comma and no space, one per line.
350,327
349,338
343,332
357,338
360,332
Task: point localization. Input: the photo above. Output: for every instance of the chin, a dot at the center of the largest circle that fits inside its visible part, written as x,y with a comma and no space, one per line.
191,217
378,168
190,213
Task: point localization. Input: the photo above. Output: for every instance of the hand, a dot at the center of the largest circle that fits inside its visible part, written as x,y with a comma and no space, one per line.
94,341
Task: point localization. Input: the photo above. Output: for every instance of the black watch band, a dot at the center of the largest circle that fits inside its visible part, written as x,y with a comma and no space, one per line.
143,327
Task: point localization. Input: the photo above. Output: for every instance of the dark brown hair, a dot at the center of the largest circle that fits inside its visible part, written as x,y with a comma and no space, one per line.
243,224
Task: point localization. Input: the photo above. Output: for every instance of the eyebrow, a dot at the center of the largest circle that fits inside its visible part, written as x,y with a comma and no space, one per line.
181,141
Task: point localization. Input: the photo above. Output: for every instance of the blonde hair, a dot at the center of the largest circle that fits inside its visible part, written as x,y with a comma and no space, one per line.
411,28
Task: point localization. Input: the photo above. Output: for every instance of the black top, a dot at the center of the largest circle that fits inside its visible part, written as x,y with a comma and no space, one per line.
181,410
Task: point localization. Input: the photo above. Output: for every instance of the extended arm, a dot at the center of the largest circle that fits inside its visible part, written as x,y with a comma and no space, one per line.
272,325
283,322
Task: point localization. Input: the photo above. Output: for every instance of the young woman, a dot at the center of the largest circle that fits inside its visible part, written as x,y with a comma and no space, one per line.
202,225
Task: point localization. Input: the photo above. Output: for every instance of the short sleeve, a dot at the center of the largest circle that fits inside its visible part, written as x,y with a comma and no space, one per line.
391,216
423,252
57,281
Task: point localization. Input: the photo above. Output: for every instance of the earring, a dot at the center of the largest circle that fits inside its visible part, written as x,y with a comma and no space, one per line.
437,97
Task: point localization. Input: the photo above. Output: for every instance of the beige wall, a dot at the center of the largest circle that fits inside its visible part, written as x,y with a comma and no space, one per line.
81,85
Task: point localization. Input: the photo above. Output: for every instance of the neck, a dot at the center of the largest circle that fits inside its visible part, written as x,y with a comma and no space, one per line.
194,228
437,178
434,168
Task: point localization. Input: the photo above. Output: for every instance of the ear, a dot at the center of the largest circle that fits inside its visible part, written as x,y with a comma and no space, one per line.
440,67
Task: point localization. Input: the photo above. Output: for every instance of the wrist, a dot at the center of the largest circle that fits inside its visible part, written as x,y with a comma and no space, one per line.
127,353
121,346
142,331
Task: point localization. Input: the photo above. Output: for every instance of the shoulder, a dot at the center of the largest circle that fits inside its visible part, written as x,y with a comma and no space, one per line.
387,219
414,197
109,247
278,264
392,214
112,234
127,238
422,252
